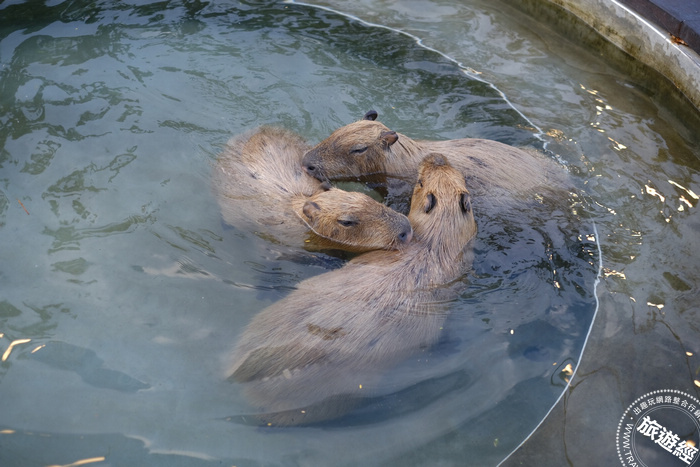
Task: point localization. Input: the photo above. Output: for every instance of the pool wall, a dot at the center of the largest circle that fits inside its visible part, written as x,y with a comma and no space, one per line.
662,34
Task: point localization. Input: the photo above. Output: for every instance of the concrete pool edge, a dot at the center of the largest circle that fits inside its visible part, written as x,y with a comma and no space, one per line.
648,31
642,39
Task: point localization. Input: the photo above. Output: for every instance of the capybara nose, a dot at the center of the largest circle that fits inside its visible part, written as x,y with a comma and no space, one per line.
406,235
309,169
310,163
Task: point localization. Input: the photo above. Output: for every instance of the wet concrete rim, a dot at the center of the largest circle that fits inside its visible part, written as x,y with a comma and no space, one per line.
665,35
662,34
680,18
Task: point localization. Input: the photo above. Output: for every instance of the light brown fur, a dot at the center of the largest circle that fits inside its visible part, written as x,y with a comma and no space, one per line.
260,186
368,147
312,355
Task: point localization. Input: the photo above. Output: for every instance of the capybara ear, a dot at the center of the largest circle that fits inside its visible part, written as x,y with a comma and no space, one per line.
325,186
371,115
430,202
310,209
465,203
389,137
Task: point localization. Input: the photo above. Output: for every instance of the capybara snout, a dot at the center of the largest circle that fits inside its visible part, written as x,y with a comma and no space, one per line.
406,235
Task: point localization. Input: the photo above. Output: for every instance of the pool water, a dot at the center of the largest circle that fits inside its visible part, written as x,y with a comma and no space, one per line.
122,292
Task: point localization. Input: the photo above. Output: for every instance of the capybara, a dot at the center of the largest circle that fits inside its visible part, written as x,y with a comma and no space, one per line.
260,185
367,147
312,355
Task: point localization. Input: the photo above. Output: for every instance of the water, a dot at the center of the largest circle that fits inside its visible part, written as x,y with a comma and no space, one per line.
123,292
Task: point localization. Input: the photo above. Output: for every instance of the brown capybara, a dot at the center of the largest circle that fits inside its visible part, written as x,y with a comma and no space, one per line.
367,147
311,356
260,185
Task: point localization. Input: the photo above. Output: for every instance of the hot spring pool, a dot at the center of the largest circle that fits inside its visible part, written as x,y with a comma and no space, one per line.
122,292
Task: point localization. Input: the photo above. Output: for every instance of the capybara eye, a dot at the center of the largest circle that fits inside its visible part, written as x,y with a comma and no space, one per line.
358,149
430,202
348,222
465,203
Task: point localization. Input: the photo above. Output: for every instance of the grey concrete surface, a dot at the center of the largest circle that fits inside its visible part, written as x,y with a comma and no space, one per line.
662,34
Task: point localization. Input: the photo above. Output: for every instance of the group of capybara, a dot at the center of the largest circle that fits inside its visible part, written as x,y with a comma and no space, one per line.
313,355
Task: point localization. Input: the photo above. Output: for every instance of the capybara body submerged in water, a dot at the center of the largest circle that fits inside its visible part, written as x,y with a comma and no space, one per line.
312,355
260,186
367,147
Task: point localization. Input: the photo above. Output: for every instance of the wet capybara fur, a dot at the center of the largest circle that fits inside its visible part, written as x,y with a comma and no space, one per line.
260,186
316,353
496,170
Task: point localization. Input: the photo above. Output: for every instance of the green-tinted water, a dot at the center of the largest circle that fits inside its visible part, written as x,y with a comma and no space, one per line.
121,292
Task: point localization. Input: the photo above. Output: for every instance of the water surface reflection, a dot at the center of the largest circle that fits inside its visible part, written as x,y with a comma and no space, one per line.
122,289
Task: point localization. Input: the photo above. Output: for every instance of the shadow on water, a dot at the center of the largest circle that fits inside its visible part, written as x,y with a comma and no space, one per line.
87,365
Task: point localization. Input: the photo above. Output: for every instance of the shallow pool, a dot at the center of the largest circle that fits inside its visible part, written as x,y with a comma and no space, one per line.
122,292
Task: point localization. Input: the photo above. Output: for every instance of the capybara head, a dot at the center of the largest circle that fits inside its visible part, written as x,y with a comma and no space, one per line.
354,150
355,220
441,210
